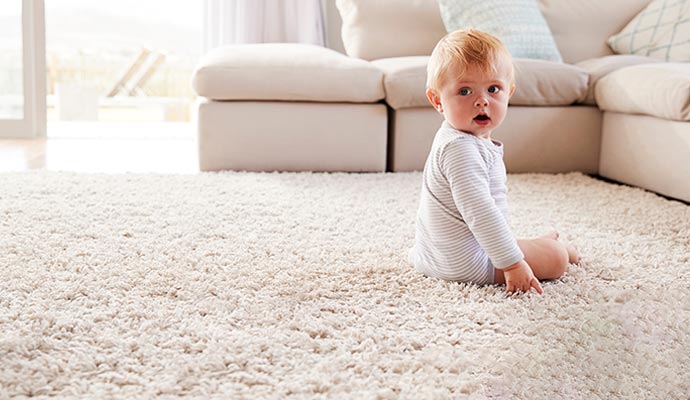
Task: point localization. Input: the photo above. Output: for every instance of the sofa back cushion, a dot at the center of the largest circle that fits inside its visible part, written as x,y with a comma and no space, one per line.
374,29
582,27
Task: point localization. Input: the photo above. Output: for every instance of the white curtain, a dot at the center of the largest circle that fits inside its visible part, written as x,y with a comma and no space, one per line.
263,21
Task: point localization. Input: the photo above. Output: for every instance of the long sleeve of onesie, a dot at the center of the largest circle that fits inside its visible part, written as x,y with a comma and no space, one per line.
469,176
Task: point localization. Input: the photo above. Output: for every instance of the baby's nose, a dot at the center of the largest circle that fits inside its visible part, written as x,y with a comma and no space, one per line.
481,101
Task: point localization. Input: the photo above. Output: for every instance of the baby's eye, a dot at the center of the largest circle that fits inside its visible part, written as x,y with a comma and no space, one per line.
494,89
464,91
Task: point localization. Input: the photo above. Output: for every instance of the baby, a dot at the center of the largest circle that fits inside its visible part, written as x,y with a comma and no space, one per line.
462,232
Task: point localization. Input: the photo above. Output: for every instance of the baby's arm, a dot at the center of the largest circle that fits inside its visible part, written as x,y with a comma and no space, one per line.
468,177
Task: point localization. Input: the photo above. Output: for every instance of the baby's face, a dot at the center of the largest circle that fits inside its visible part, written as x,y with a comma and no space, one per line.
477,103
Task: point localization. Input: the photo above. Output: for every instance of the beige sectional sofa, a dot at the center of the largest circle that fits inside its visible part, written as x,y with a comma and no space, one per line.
300,107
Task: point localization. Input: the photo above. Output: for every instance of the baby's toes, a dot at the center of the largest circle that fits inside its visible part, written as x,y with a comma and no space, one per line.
554,235
573,254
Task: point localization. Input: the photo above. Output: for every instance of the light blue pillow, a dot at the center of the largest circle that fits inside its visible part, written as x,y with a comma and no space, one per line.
518,23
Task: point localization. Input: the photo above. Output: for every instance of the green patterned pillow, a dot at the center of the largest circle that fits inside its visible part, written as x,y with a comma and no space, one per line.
518,23
661,30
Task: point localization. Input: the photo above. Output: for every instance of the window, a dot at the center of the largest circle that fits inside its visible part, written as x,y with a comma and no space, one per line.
121,60
11,75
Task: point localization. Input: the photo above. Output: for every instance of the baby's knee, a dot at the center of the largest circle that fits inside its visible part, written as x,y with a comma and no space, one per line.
547,257
559,259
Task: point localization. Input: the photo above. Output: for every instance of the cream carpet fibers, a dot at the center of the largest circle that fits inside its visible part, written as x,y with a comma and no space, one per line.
296,285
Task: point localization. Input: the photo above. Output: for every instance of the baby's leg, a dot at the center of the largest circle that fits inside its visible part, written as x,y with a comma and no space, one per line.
547,257
573,254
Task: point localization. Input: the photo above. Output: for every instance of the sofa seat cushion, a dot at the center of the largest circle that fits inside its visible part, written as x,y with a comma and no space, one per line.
286,72
538,82
601,66
404,80
661,90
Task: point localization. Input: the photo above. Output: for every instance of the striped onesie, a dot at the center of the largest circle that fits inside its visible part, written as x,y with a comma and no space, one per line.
462,230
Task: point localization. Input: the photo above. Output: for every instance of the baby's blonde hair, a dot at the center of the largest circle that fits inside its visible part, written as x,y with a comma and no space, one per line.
461,49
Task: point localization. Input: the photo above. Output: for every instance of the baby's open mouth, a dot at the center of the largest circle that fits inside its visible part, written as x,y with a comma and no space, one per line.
482,117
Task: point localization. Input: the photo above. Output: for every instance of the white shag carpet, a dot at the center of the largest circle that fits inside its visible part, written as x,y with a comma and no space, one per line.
240,285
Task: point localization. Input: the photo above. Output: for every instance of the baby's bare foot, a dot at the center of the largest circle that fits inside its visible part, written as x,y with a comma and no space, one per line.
551,235
573,254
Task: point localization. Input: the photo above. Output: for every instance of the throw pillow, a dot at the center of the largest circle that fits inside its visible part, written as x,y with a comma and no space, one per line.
661,30
518,23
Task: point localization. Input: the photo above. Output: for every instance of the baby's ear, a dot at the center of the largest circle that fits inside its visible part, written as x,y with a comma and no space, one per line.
434,99
512,90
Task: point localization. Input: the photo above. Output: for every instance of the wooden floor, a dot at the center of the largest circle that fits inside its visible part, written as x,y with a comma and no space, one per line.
105,148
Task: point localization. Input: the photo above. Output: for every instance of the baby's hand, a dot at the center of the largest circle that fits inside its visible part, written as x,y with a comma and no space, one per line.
519,277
